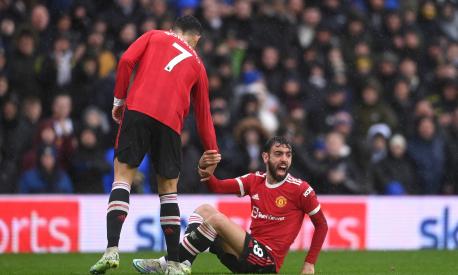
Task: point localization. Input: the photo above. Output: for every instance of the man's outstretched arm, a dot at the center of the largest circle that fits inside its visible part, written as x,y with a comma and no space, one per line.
321,229
206,167
204,122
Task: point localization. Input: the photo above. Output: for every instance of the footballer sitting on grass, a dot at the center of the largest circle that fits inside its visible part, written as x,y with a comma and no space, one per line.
279,203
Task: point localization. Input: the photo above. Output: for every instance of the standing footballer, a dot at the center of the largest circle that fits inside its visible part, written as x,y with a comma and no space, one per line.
279,203
169,74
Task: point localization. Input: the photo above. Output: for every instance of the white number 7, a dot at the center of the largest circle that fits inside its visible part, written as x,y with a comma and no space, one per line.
177,59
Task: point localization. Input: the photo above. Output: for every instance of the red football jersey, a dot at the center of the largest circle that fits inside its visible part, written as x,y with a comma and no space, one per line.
277,210
169,74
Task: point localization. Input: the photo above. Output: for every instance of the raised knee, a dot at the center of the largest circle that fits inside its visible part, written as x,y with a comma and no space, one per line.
216,220
206,210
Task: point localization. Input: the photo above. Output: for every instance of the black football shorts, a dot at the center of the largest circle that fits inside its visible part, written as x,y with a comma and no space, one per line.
140,134
255,257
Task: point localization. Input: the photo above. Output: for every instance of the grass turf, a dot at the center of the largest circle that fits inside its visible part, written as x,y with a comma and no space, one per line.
330,262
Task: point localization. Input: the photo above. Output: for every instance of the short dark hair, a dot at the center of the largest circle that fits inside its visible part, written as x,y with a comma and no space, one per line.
280,140
188,23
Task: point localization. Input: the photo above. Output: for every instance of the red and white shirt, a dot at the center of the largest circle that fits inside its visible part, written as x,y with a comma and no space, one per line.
277,210
169,75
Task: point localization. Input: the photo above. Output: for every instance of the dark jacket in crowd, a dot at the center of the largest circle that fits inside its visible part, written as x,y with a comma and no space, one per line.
392,170
429,160
87,170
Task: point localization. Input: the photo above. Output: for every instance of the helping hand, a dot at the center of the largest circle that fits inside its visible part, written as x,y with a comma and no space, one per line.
207,164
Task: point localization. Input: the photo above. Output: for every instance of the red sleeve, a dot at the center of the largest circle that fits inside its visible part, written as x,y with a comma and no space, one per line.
308,201
127,64
310,205
202,112
227,186
319,235
238,186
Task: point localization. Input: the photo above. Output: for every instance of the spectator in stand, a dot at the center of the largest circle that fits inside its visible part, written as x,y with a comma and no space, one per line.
123,12
47,177
39,21
127,35
56,71
392,30
402,103
292,96
408,69
250,137
257,101
355,31
372,109
451,135
85,76
306,30
7,31
240,24
338,174
423,108
395,174
427,150
189,181
22,75
320,116
63,128
88,164
97,47
13,142
31,113
97,121
64,29
377,138
447,101
316,83
387,72
449,20
13,129
221,121
212,20
7,171
81,13
271,69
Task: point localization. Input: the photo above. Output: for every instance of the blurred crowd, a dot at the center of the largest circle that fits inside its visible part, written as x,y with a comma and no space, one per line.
366,90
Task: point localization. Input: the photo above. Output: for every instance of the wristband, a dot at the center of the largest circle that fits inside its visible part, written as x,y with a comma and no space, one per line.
118,102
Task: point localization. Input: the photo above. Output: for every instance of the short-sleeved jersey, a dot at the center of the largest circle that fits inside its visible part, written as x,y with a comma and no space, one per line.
169,74
277,210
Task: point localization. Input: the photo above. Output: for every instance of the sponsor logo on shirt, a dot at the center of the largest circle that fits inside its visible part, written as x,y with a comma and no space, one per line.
308,191
281,201
255,197
257,214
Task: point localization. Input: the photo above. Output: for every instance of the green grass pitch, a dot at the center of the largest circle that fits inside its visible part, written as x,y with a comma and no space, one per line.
330,262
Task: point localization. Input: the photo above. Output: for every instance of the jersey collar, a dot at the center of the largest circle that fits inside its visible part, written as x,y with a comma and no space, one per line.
275,185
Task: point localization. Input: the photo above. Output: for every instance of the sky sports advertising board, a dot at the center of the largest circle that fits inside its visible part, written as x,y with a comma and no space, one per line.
59,224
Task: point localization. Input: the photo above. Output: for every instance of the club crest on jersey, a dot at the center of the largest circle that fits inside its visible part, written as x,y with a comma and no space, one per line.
281,201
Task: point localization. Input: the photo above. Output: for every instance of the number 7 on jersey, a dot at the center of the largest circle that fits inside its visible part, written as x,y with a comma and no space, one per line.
177,59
